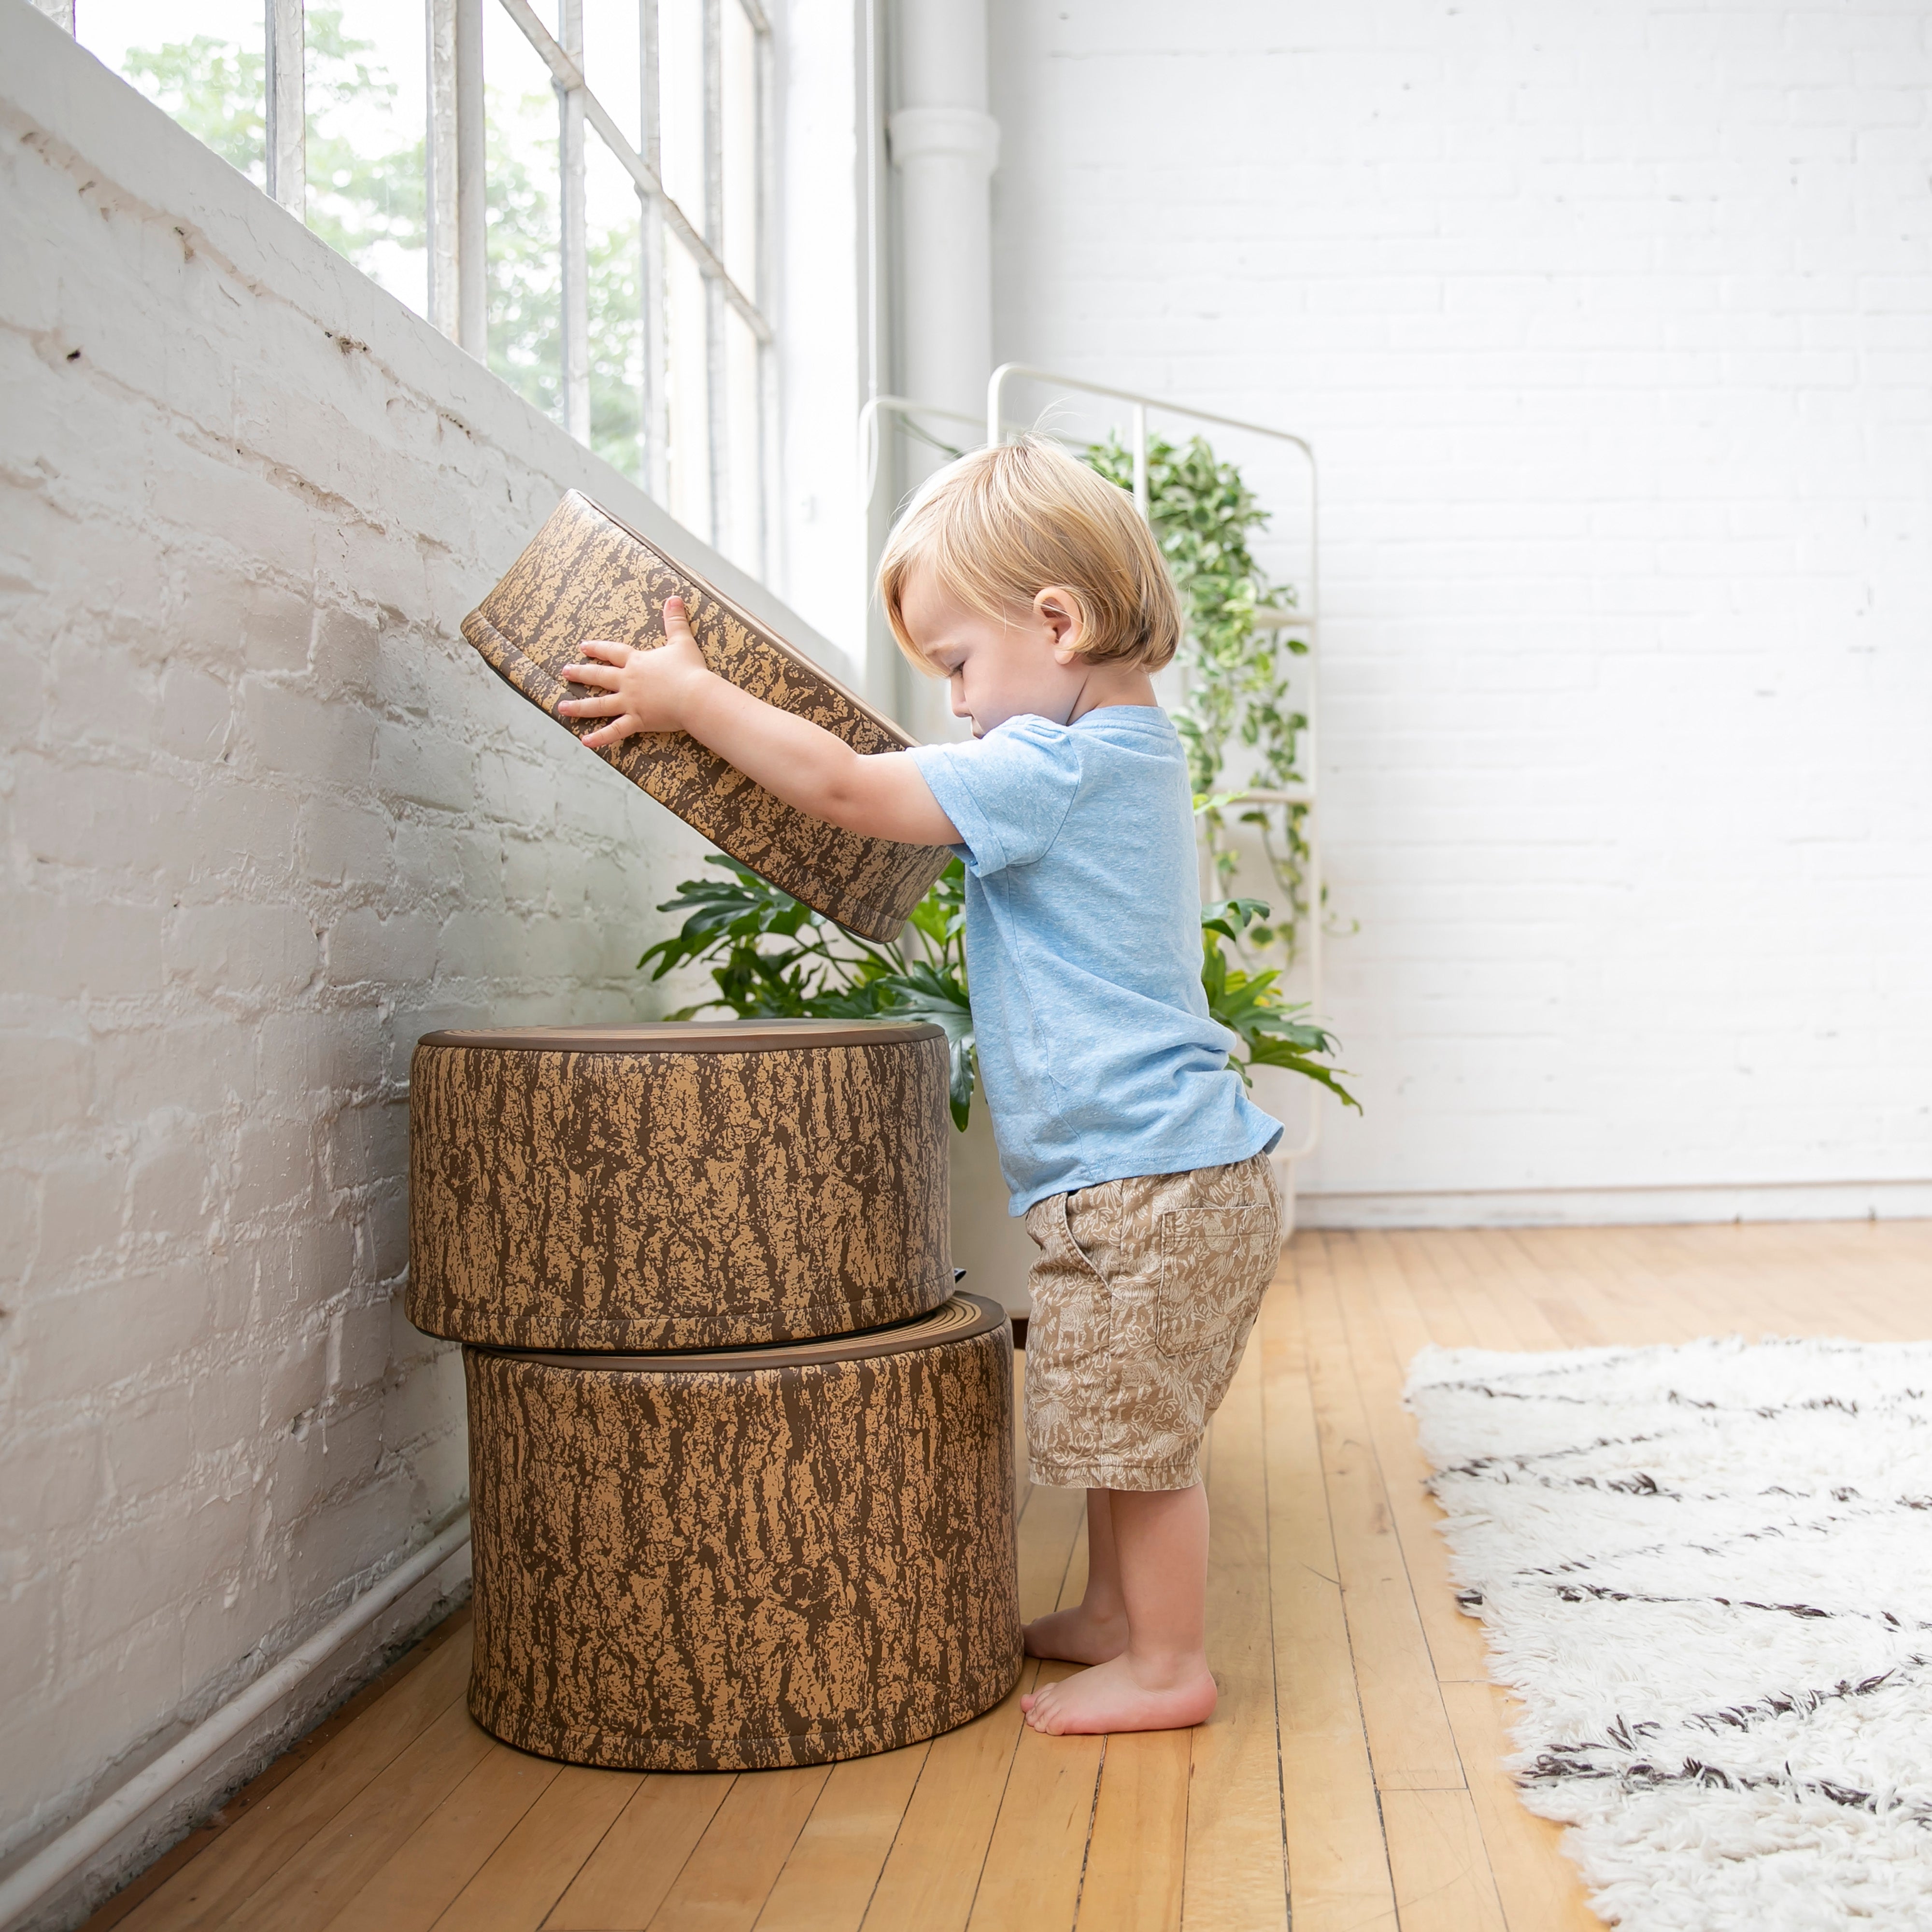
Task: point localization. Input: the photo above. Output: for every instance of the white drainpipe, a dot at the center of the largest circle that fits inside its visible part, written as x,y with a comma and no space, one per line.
945,144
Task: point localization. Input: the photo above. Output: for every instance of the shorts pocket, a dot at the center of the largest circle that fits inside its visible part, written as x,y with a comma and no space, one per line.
1214,1263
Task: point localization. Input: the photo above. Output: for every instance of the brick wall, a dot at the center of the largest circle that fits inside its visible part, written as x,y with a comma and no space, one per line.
1612,327
267,818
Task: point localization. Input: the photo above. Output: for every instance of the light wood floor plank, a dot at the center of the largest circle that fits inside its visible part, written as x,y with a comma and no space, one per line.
1571,1299
342,1858
250,1852
1237,1878
636,1862
1443,1882
1655,1307
1537,1886
447,1849
1443,1323
934,1867
530,1871
1031,1881
233,1810
1137,1857
730,1874
828,1881
1410,1744
1516,1283
1338,1872
1377,1308
932,1872
1458,1254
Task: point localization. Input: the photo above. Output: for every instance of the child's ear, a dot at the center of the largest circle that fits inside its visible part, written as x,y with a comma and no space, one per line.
1060,612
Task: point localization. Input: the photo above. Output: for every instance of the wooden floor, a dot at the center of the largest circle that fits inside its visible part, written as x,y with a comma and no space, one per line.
1350,1778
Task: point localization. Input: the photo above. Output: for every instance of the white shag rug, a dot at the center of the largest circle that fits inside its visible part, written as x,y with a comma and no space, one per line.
1707,1572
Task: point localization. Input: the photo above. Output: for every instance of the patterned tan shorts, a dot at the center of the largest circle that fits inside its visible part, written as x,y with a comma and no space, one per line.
1143,1296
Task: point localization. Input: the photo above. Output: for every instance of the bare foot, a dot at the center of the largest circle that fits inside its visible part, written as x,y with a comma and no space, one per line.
1077,1635
1111,1697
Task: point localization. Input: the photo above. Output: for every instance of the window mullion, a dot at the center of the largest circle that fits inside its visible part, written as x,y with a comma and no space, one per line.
653,417
574,235
285,34
439,168
472,185
766,191
714,293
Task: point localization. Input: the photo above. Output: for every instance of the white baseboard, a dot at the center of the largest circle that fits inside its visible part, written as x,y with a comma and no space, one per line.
1587,1207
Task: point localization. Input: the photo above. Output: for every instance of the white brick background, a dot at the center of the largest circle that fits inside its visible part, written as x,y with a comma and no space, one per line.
267,818
1613,327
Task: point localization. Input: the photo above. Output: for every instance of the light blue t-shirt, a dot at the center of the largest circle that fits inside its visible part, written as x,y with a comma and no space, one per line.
1083,950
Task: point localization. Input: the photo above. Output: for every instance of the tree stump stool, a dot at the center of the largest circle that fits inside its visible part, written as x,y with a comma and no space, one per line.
585,574
712,1185
730,1561
741,1462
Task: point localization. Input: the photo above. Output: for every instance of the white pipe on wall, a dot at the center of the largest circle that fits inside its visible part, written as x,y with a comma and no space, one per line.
945,144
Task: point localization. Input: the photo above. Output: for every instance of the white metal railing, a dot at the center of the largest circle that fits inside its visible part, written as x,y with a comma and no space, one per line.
456,199
996,425
904,407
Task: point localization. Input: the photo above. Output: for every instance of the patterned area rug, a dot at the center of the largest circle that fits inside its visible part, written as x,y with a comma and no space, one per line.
1707,1572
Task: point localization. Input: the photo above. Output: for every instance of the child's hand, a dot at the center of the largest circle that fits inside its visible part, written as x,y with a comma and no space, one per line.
638,691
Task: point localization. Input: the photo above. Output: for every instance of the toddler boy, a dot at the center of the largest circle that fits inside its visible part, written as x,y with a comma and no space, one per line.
1129,1144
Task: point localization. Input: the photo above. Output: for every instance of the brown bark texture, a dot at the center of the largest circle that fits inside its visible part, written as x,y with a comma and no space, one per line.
677,1185
741,1561
585,574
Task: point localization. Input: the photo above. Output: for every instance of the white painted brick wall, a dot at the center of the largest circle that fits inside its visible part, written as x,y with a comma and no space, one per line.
267,818
1611,326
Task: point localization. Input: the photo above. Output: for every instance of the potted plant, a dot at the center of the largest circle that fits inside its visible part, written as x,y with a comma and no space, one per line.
770,957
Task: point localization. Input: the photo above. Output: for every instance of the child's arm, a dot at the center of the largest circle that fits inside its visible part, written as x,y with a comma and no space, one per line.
671,689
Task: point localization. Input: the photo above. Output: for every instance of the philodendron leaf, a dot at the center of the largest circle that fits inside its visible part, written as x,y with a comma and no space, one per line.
923,992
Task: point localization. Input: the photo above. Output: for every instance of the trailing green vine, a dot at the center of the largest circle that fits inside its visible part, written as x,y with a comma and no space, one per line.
1234,672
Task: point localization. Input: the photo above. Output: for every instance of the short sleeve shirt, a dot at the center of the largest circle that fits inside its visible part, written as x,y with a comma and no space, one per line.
1097,1056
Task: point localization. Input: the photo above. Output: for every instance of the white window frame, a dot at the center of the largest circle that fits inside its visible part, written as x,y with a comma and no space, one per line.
455,198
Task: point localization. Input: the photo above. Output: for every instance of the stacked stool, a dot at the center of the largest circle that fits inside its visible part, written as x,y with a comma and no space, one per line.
741,1459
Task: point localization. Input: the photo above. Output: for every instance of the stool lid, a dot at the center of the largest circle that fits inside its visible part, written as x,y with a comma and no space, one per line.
688,1036
961,1318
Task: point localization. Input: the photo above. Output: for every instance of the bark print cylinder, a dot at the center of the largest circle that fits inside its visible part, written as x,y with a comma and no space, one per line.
701,1185
736,1561
585,574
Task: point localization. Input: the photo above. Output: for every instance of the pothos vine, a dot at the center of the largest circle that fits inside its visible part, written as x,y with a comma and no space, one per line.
1234,669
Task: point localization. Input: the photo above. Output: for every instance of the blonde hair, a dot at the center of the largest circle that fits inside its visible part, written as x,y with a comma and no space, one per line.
1002,523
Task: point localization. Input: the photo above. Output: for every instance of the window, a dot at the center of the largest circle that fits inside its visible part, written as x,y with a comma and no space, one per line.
617,272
